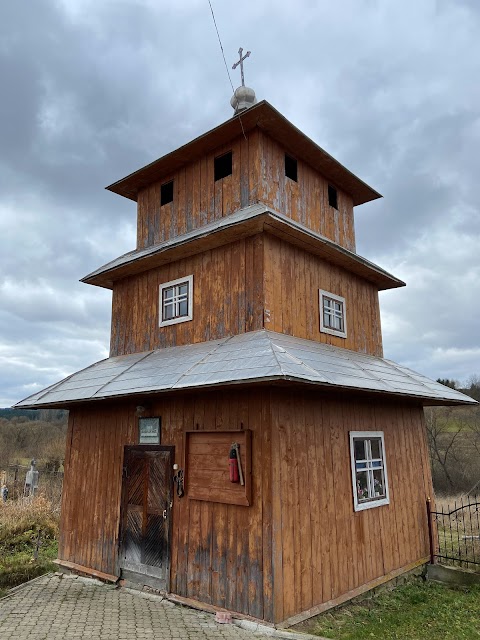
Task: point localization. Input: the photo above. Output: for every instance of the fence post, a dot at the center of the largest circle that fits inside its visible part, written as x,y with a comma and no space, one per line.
430,531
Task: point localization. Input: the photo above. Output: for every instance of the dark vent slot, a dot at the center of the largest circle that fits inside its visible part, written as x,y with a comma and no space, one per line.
166,193
223,166
290,168
332,197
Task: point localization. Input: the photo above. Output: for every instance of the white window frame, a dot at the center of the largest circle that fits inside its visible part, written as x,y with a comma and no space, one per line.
324,329
373,502
168,285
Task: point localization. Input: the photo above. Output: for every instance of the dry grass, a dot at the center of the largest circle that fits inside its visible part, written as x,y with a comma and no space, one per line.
24,514
24,524
459,533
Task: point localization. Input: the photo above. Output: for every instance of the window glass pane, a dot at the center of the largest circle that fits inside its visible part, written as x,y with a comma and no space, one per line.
168,293
168,311
378,484
332,314
183,308
369,470
359,447
183,289
376,447
362,486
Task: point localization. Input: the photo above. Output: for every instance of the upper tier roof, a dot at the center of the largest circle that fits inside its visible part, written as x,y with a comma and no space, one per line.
269,120
245,222
255,357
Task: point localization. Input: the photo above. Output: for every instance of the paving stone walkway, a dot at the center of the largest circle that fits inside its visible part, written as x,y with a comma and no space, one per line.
56,608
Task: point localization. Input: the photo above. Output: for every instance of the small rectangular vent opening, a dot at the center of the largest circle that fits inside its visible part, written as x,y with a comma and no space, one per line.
223,166
332,197
291,168
166,193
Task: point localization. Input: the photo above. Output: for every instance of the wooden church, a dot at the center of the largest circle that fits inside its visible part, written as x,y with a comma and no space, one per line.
246,445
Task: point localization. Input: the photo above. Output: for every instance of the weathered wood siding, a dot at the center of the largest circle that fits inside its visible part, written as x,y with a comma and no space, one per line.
322,547
255,283
258,174
197,198
300,543
291,282
221,554
306,200
228,299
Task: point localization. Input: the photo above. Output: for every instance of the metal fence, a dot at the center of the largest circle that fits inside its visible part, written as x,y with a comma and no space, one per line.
455,533
50,482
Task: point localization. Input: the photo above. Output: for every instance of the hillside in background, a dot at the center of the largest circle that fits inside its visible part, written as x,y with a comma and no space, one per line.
26,434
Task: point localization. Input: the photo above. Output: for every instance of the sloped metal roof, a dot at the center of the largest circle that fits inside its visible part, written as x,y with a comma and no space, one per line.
273,123
247,221
258,356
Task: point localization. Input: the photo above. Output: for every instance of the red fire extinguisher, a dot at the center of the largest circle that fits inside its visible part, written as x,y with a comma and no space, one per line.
233,465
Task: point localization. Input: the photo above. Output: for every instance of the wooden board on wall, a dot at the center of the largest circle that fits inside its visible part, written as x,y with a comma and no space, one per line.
207,466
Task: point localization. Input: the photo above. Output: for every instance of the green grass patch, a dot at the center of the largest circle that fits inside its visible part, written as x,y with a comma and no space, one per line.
416,611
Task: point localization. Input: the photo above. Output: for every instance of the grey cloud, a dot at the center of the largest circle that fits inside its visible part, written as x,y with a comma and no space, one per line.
93,91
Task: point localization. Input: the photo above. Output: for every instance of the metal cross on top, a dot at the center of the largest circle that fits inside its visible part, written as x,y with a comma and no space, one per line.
240,62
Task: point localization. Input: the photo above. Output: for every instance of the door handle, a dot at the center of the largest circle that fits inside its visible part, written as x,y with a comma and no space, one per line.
164,514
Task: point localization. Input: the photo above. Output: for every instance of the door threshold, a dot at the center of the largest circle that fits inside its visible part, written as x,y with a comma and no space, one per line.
138,580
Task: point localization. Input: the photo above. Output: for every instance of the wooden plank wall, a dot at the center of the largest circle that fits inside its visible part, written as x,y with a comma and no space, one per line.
305,201
92,486
221,554
291,282
300,543
198,199
258,174
322,548
254,283
228,299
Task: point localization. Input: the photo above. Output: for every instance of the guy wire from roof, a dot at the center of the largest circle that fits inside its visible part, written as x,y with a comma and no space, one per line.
225,62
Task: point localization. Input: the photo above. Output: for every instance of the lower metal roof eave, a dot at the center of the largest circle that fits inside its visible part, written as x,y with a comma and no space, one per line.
423,400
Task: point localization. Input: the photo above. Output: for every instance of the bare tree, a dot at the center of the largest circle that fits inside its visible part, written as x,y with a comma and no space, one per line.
443,440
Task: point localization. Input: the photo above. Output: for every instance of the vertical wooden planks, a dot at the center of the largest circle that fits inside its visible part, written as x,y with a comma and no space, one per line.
303,567
277,528
254,164
219,529
305,201
230,275
293,278
265,467
253,518
286,487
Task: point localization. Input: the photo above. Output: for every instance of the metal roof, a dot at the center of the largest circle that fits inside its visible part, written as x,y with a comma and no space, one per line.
258,356
273,123
244,222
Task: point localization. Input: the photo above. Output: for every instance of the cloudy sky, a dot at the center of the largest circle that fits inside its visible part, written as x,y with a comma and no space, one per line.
92,90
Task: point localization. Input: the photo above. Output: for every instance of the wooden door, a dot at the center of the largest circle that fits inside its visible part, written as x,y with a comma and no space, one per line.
147,495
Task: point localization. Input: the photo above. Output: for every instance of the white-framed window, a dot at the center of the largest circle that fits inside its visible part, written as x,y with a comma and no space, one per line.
176,301
369,469
332,314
